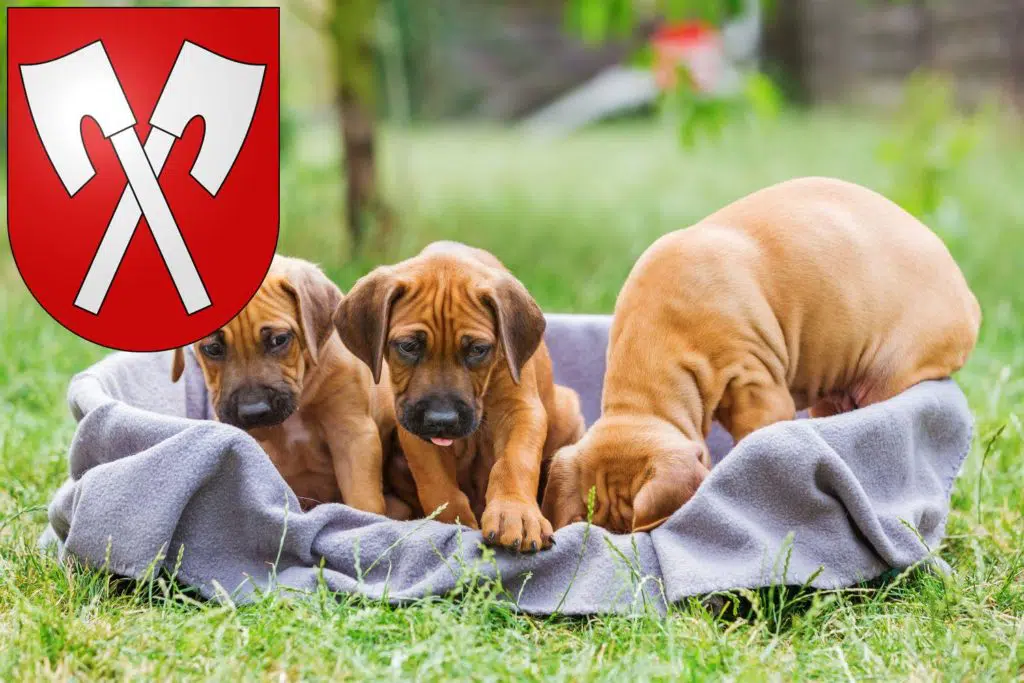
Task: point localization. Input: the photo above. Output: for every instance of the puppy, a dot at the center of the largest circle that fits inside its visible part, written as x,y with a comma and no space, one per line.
477,408
279,371
811,293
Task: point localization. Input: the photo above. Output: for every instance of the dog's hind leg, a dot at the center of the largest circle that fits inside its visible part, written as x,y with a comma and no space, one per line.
565,427
397,508
832,405
747,407
565,423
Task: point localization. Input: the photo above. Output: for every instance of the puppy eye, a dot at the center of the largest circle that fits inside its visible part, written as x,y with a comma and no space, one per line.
477,352
410,349
409,346
277,342
214,350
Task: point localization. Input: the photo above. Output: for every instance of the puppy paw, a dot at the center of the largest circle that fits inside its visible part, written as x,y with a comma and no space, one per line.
517,526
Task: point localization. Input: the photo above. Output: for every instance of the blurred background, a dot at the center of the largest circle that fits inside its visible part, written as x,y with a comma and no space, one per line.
566,135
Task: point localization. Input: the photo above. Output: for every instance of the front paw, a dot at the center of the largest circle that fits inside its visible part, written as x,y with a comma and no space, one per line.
458,511
516,525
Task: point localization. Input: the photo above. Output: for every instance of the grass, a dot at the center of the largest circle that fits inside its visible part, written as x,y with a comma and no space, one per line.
569,217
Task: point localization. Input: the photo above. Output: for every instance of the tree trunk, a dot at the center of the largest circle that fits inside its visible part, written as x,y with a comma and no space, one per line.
351,27
924,39
785,49
1016,31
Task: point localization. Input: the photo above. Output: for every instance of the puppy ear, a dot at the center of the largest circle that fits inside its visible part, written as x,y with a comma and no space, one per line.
673,481
521,323
363,317
316,297
177,364
563,501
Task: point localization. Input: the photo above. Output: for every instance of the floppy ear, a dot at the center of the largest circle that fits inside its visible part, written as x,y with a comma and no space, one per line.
316,297
363,317
521,323
177,364
674,480
563,501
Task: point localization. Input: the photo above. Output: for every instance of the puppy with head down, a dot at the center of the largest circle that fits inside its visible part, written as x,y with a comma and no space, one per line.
477,408
279,371
813,293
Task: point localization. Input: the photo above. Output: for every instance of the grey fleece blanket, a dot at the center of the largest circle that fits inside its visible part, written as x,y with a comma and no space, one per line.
827,503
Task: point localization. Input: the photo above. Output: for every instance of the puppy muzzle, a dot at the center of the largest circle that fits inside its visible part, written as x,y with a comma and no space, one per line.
257,406
439,418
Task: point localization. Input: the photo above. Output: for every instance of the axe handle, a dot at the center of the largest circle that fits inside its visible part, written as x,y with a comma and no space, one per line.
120,230
150,197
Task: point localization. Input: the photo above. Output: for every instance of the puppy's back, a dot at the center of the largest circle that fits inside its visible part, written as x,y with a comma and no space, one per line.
859,250
825,271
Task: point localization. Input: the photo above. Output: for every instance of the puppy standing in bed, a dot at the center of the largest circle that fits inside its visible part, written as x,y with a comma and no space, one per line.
279,371
812,293
477,408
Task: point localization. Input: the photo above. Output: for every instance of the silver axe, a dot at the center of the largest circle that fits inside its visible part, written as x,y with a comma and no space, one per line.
60,94
201,83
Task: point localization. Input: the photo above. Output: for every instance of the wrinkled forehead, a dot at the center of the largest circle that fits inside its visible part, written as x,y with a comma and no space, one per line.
444,304
271,309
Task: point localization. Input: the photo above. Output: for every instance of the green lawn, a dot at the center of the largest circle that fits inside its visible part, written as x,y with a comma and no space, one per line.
569,218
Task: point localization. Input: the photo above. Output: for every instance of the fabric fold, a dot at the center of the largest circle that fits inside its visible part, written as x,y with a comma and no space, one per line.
830,502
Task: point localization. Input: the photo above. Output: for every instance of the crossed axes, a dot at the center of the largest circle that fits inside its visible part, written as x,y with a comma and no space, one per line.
63,91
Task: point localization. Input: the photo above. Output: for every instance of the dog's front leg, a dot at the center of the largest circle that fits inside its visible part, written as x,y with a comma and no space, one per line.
358,461
436,481
512,517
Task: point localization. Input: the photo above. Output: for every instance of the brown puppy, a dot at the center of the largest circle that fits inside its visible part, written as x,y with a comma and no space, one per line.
811,293
279,371
476,404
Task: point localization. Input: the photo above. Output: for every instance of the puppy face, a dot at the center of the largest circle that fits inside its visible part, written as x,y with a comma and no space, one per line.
450,326
255,366
641,473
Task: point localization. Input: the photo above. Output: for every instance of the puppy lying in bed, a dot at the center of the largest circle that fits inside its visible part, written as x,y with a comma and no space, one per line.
812,293
279,371
477,408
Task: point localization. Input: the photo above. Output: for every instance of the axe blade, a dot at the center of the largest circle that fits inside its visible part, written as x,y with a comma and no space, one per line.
63,91
220,90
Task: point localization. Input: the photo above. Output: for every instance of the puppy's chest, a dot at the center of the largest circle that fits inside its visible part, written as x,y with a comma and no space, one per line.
474,458
297,448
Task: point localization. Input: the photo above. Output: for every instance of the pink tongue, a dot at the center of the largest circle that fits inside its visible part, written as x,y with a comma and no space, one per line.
442,442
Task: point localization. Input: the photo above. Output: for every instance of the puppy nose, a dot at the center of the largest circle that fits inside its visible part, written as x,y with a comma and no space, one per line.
441,420
253,410
252,406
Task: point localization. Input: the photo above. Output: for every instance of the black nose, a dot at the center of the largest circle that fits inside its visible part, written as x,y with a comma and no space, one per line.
444,416
442,421
257,406
255,410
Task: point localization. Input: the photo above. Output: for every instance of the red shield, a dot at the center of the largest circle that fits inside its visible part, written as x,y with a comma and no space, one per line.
175,111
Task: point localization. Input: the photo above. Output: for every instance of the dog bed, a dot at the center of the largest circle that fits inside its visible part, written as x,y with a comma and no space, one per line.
827,503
